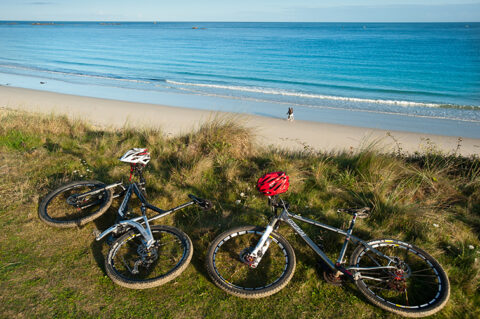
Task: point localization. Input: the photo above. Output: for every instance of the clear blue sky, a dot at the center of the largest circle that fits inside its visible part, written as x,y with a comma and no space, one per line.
243,10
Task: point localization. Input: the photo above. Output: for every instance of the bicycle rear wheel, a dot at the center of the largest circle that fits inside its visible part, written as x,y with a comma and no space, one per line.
64,208
130,264
229,271
417,287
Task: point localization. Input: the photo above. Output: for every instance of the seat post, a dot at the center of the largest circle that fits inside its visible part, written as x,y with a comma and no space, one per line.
347,239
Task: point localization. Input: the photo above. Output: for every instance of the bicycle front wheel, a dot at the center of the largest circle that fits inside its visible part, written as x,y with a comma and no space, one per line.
227,267
416,287
131,264
67,206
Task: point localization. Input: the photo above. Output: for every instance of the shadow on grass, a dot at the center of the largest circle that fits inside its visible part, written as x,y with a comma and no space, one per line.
101,224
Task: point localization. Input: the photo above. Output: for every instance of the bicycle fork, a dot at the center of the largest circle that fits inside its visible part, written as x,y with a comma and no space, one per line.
255,256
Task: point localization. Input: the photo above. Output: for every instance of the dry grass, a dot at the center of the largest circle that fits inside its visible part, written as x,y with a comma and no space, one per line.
431,200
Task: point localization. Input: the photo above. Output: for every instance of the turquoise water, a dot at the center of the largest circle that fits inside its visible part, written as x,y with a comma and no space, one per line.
407,76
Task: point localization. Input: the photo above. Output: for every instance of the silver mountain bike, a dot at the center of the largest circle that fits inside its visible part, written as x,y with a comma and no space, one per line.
255,262
140,256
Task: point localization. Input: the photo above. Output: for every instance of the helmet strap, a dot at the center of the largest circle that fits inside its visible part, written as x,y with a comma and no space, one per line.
132,168
136,170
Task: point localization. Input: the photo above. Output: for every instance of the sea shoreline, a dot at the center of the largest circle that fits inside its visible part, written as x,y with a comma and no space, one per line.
298,135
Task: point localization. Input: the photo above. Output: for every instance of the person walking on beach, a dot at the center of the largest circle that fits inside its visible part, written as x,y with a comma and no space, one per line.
290,114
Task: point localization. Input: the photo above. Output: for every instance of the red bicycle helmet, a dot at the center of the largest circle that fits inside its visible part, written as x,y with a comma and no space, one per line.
273,183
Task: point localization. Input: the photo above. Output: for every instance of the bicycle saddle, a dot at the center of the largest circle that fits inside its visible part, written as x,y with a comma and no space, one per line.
360,212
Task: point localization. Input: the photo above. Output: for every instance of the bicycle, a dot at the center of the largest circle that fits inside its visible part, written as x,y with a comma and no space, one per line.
255,262
140,256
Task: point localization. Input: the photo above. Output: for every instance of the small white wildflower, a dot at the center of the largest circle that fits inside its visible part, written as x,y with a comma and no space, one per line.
242,194
448,247
81,175
471,247
238,201
436,225
307,206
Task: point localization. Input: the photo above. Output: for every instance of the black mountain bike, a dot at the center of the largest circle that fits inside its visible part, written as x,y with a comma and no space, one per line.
140,256
255,262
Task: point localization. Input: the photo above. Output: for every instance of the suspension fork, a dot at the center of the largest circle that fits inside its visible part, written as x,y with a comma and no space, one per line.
259,251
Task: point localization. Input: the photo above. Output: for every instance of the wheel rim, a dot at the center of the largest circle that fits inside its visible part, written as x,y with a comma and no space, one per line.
414,284
230,264
132,261
64,207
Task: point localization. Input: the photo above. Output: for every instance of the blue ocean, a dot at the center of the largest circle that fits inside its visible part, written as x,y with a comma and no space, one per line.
420,77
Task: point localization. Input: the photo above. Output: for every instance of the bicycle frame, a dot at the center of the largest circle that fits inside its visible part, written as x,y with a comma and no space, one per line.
138,222
288,217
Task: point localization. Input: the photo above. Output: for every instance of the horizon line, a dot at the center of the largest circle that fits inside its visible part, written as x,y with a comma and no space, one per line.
220,21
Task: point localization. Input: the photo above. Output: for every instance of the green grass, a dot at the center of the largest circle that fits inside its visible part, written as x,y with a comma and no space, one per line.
431,200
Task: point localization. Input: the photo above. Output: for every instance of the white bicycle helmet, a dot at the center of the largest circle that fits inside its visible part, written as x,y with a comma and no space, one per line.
136,156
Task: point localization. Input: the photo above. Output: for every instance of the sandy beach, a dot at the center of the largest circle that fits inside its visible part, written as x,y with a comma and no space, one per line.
268,131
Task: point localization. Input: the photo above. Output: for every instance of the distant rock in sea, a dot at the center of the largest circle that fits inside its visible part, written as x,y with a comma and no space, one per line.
43,23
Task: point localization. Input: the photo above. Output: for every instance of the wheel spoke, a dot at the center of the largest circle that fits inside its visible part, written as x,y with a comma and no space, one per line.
431,276
375,261
421,270
427,282
377,286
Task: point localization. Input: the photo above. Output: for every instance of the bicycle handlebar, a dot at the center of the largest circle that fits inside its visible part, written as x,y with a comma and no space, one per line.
204,204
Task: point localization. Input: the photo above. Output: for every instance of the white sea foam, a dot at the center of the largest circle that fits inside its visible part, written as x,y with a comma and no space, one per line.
305,95
194,91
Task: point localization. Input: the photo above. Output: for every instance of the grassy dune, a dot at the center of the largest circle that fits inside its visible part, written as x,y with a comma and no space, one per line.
431,200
